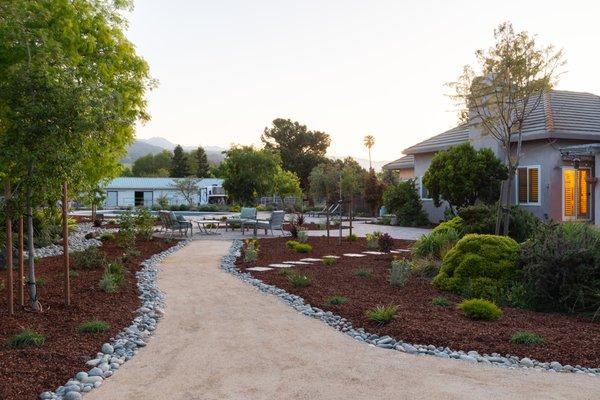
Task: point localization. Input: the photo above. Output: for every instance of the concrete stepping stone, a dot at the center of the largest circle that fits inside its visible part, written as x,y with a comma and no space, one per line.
354,255
403,250
374,253
281,265
259,269
310,259
297,262
331,257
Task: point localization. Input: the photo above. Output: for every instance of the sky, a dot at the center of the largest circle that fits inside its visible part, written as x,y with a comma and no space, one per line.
227,68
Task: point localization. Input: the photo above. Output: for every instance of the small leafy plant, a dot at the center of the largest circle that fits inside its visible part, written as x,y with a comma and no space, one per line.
302,236
144,223
291,244
400,272
525,337
363,272
480,309
251,251
92,326
385,243
373,240
127,230
90,258
352,237
112,278
40,282
299,281
441,301
335,300
27,338
328,260
382,314
107,236
303,248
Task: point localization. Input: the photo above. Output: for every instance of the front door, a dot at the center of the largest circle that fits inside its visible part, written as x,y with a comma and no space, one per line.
577,194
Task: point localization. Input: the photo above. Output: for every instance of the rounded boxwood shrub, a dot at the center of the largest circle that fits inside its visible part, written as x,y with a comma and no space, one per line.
480,309
479,256
303,248
457,224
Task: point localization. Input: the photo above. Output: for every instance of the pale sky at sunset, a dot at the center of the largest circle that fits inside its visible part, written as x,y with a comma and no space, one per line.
349,68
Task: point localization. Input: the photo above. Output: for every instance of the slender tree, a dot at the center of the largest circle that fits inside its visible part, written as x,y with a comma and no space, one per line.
203,167
513,77
369,142
179,163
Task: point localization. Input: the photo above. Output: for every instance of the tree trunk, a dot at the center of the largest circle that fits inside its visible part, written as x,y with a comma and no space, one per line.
31,286
509,182
9,251
327,220
65,217
350,216
21,264
94,208
499,213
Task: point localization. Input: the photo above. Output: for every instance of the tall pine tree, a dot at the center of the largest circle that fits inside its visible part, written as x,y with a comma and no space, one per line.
179,163
203,168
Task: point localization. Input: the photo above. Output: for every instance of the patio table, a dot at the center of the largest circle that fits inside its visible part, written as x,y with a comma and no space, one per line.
209,226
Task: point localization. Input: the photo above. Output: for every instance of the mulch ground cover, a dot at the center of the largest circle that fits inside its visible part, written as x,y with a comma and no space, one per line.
569,339
25,373
311,226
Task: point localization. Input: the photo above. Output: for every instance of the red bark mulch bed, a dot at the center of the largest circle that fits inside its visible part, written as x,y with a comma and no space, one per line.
568,339
25,373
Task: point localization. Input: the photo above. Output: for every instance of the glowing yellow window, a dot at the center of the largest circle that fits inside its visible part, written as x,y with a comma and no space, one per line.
576,187
528,185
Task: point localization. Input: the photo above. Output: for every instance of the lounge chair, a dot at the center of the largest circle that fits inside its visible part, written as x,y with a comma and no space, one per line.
246,214
317,213
172,222
274,223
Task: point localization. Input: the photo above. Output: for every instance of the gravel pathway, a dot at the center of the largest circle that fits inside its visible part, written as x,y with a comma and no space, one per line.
223,339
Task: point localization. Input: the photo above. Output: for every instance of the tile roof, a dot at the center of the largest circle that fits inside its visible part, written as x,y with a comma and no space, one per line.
406,162
156,183
562,115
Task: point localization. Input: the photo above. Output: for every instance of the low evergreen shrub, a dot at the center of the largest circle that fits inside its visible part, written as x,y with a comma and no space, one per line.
90,258
382,314
93,326
400,272
328,260
441,301
299,281
480,309
363,272
352,238
335,300
27,338
525,337
303,248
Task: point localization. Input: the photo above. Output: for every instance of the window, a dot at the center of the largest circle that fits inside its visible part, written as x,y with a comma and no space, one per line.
576,193
528,185
423,192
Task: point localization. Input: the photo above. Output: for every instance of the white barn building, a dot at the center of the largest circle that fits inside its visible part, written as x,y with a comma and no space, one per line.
145,192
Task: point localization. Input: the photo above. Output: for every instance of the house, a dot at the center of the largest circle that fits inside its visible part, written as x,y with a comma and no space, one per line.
145,192
559,164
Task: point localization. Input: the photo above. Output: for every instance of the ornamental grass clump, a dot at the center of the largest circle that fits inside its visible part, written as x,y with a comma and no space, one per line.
92,326
299,281
335,300
328,260
382,314
441,301
480,309
27,338
436,244
400,272
527,338
112,278
363,272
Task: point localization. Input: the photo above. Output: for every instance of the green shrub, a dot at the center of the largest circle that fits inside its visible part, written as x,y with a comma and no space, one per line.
251,250
561,267
292,244
427,267
436,244
328,260
441,301
363,272
144,223
400,272
73,273
299,281
402,199
373,240
92,326
127,230
352,238
382,314
90,258
107,236
456,224
303,248
478,256
480,309
335,300
525,337
112,278
481,219
27,338
40,282
385,243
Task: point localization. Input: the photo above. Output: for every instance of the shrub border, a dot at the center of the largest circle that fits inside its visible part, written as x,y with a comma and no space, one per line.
341,324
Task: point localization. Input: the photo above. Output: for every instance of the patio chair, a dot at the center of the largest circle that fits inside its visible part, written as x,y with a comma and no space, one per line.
274,223
246,214
172,222
317,213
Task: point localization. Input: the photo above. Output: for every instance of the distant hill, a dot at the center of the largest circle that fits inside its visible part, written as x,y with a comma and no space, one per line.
143,147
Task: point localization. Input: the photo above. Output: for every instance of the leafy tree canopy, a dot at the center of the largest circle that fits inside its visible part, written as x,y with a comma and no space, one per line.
300,149
287,184
462,175
153,164
202,165
402,199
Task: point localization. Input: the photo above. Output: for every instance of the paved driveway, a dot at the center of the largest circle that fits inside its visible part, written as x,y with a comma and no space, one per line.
223,339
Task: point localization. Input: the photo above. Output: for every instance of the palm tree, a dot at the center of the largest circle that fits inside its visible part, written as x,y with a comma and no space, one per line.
369,141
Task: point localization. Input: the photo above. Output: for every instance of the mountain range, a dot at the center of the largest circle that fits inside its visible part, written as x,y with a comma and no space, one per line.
155,145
